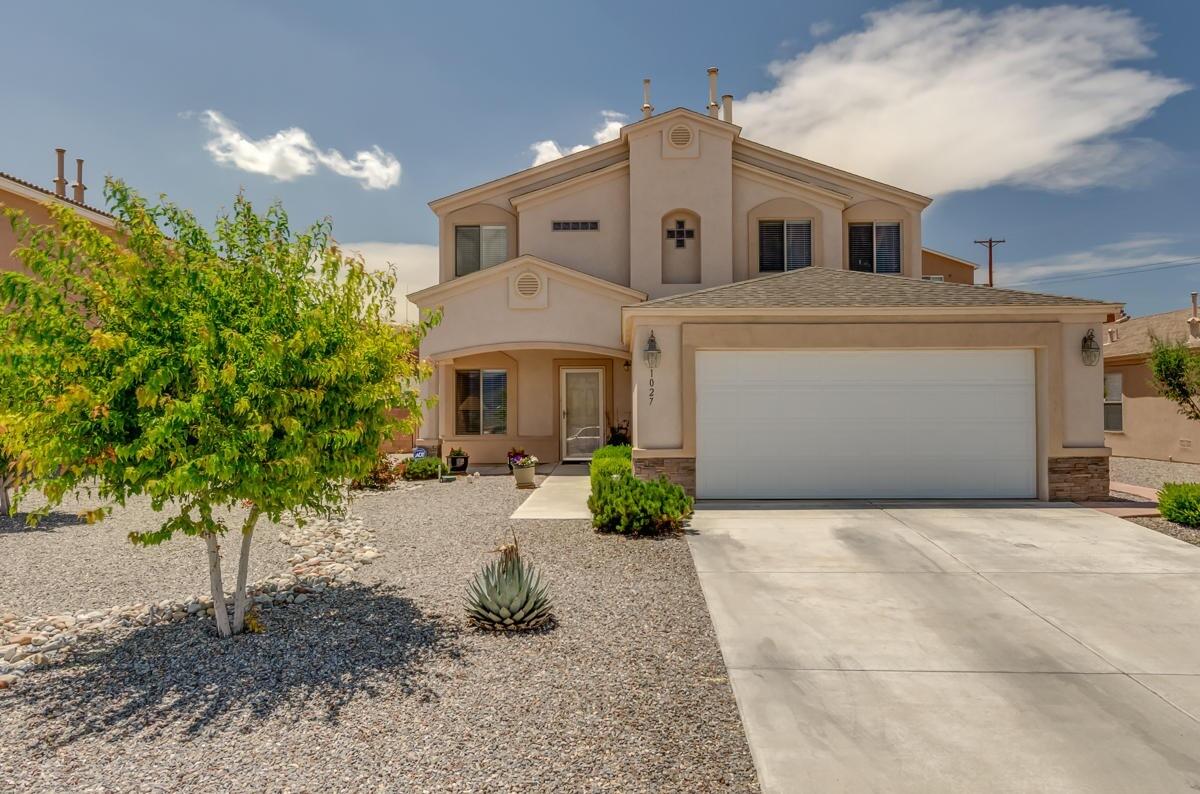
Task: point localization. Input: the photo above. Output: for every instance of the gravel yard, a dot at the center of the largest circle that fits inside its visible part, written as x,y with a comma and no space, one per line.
1151,473
379,685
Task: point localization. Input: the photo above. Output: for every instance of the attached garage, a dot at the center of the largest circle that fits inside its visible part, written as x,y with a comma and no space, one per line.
819,424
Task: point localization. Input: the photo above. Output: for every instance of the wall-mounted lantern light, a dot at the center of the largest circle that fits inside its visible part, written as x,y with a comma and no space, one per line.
1091,349
652,354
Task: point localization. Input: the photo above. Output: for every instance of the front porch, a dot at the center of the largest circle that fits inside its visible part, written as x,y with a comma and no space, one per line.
554,403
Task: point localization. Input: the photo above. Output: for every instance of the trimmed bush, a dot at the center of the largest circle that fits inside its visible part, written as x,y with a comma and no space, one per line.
621,502
382,475
424,469
1180,502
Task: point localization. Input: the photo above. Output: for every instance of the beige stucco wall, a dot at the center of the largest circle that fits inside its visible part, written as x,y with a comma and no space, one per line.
662,180
1065,413
1153,426
954,272
1083,389
35,211
603,253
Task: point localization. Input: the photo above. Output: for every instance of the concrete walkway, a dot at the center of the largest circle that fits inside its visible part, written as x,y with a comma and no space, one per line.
956,647
563,494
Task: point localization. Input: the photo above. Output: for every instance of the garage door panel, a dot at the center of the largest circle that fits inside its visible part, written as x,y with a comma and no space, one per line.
820,424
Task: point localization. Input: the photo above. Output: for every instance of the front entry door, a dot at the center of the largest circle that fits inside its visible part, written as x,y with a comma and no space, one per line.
581,391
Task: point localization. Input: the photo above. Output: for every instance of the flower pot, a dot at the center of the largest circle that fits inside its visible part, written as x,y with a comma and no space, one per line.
458,462
524,475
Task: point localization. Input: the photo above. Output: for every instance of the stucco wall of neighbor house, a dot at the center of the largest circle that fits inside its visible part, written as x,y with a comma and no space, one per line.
953,271
667,427
1153,427
603,253
662,180
533,401
35,211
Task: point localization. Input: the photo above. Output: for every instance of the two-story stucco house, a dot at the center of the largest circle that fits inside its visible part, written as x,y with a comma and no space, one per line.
761,322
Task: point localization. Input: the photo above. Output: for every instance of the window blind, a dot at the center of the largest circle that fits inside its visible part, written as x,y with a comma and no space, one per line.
770,246
466,250
887,248
862,247
493,245
495,402
799,244
466,402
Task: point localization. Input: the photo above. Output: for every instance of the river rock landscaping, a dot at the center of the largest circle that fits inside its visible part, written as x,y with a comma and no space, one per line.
366,675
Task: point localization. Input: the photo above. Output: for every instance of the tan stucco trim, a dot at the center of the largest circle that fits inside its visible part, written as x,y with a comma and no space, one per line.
523,201
600,350
538,172
788,182
830,172
641,126
430,295
863,316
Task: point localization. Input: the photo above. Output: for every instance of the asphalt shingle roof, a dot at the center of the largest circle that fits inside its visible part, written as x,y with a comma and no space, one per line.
53,195
1134,336
823,287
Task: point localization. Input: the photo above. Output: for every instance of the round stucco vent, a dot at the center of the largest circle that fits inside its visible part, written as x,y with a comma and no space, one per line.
528,285
680,136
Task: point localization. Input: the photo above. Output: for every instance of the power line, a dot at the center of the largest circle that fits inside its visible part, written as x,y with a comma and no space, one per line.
989,243
1145,267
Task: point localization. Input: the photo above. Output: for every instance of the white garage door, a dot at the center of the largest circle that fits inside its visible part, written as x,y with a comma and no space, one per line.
870,424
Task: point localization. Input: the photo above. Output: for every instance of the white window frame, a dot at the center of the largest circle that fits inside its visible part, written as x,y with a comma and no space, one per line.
875,244
787,266
1119,400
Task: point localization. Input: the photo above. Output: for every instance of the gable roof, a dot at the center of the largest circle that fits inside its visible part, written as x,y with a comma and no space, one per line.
1135,337
431,295
21,187
827,288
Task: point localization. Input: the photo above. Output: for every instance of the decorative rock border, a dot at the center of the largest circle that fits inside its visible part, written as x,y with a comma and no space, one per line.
326,552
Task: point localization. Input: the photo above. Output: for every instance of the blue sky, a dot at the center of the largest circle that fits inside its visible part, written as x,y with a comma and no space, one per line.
1068,131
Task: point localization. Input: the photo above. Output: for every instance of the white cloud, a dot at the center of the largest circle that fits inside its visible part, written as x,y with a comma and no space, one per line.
609,130
943,100
1138,250
292,153
820,29
416,267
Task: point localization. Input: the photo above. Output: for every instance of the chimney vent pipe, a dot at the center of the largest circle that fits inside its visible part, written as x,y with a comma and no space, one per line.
1194,305
647,108
79,187
727,101
712,92
60,183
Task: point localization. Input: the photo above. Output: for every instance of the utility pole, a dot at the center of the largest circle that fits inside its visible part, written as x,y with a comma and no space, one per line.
990,243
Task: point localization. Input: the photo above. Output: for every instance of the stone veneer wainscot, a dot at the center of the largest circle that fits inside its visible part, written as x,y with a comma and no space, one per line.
1078,479
681,471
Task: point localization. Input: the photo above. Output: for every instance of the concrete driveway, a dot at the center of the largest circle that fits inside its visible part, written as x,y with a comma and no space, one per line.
956,646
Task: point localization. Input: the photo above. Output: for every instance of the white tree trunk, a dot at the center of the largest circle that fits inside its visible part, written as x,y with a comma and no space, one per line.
218,589
239,596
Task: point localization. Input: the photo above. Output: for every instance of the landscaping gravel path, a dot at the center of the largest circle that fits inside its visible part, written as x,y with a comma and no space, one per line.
379,685
66,565
1151,473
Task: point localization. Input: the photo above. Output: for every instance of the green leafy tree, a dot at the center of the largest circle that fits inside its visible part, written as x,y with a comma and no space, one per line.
248,366
1175,369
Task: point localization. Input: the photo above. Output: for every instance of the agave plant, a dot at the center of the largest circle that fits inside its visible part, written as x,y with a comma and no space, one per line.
508,594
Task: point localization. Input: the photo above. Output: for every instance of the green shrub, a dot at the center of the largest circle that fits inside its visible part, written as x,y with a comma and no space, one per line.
621,502
424,469
1180,502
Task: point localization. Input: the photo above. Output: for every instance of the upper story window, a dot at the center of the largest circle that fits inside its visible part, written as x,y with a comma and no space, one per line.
784,245
875,247
479,247
575,226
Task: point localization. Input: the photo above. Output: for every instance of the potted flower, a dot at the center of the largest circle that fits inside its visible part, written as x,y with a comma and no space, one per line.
458,459
515,453
524,468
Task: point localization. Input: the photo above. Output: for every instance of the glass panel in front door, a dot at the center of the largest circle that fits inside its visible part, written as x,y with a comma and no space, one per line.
583,431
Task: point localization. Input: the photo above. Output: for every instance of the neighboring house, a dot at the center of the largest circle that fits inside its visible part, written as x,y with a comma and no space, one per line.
31,199
760,320
936,266
1138,423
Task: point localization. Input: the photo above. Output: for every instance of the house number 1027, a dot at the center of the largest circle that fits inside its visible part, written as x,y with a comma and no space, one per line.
651,387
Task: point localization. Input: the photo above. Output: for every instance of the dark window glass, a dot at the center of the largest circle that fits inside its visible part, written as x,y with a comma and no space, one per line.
466,250
467,414
862,247
770,246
